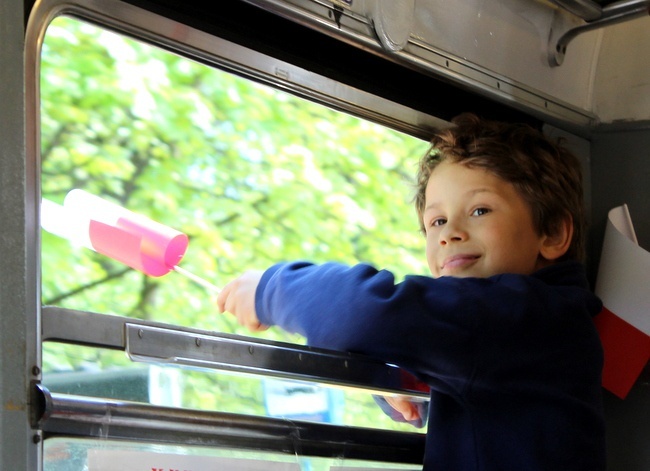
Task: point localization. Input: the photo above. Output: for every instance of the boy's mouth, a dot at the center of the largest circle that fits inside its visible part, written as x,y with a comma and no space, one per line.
457,261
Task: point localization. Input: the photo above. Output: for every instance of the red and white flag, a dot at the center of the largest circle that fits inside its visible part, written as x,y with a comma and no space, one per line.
623,285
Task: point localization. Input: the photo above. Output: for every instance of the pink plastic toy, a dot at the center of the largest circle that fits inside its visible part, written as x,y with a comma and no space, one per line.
107,228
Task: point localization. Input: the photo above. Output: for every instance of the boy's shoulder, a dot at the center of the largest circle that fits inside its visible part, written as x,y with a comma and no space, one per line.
569,273
566,280
565,273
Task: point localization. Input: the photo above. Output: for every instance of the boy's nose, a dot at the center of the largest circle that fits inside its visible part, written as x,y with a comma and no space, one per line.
452,232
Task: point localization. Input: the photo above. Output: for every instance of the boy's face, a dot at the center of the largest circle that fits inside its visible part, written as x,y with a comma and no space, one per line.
477,225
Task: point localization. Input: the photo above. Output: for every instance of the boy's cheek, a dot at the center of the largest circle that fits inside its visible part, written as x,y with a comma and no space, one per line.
431,261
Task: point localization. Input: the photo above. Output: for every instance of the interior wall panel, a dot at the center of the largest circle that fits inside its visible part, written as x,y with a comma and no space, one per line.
620,172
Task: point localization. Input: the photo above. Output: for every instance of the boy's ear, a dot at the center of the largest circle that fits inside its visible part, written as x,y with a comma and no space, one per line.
556,245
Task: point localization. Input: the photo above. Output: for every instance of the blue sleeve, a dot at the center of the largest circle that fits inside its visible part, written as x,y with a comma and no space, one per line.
361,309
452,333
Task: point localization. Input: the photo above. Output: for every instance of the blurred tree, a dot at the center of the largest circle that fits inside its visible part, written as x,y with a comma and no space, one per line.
252,174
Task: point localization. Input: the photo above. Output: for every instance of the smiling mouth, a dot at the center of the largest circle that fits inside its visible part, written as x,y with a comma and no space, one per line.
458,261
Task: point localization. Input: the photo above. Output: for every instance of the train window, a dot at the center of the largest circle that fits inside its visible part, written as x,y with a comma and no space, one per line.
252,174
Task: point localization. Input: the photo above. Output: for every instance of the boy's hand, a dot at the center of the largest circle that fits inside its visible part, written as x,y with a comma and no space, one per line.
404,406
238,298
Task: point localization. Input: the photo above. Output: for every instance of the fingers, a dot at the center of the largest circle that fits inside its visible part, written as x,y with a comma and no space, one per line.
222,298
228,298
404,406
257,327
238,298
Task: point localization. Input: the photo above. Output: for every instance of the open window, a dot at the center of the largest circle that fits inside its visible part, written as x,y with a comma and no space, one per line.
256,161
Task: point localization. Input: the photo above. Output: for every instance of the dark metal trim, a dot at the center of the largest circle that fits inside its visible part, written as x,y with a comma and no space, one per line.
111,419
161,343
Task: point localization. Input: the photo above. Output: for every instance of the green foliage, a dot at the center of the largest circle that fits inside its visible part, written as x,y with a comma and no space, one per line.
252,174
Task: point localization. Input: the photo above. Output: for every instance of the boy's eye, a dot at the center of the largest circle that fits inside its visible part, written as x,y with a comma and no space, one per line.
480,211
438,222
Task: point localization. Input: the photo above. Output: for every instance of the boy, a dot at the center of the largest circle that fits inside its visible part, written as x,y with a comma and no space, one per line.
502,332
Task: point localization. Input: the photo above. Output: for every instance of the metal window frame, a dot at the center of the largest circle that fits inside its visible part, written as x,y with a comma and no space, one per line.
110,419
19,290
61,415
214,51
165,344
57,414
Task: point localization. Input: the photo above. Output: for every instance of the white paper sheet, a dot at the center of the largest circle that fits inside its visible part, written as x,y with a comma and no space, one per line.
624,272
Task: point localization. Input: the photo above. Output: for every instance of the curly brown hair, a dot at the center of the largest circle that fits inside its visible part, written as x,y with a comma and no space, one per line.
545,173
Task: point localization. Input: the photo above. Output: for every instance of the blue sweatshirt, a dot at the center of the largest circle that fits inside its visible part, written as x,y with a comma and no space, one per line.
513,361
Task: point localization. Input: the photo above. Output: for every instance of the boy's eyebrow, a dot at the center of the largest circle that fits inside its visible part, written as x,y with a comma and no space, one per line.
471,192
480,190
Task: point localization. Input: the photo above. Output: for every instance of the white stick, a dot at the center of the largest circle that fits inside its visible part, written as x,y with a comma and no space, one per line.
197,279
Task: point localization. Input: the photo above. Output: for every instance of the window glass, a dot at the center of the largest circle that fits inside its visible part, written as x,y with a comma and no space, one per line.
251,174
73,454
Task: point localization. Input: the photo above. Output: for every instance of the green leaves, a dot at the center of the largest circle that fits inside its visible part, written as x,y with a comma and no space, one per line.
252,174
